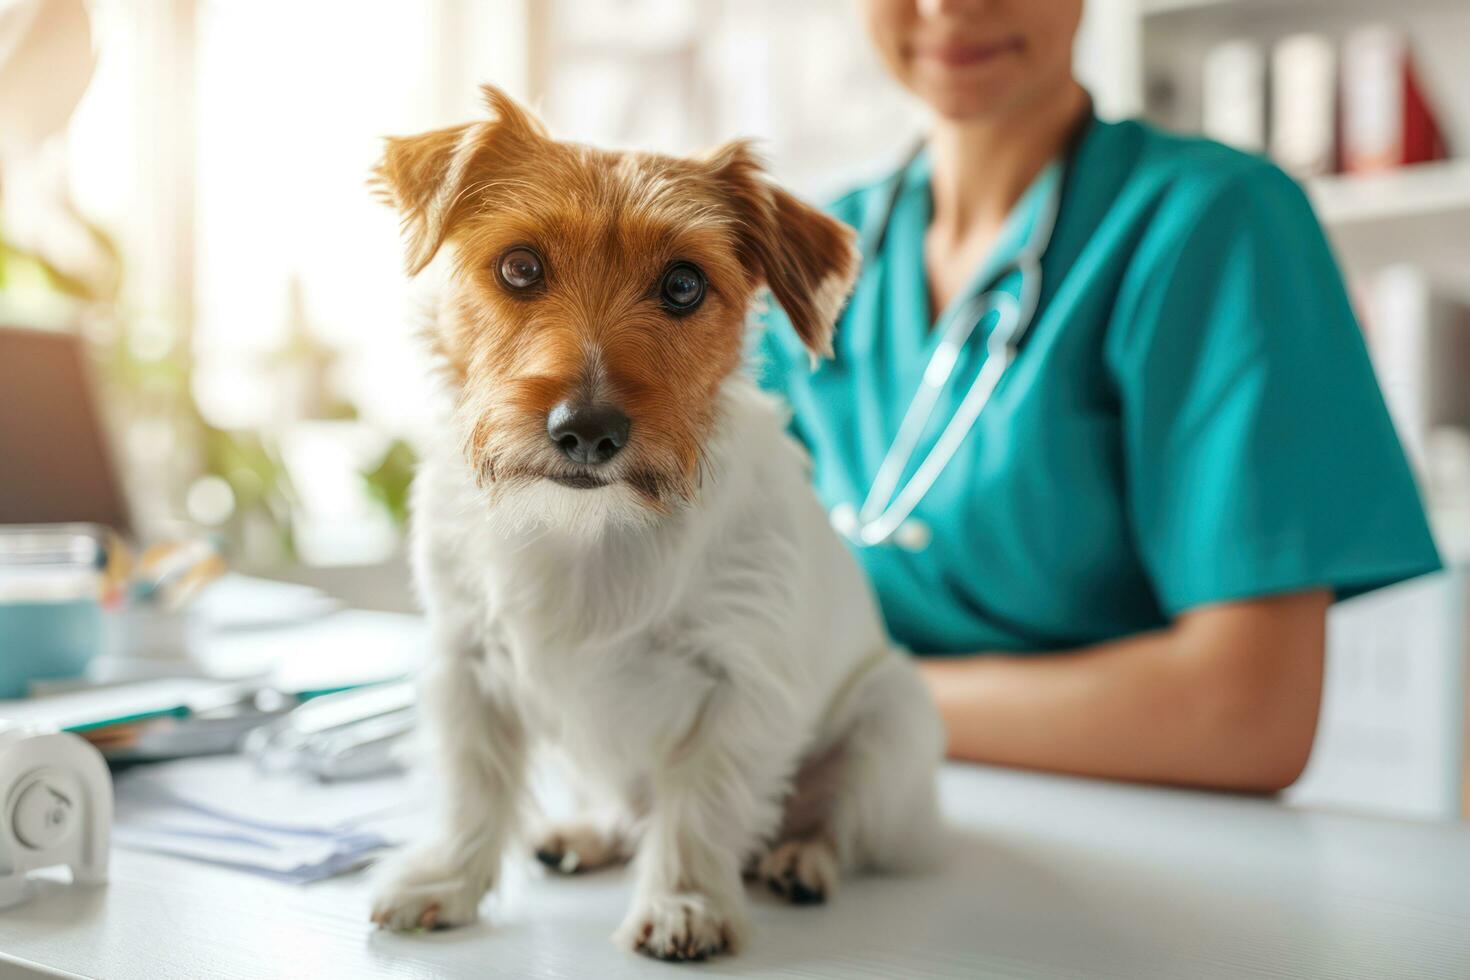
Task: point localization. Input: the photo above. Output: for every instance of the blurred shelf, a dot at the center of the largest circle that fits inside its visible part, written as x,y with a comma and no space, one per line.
1426,190
1420,214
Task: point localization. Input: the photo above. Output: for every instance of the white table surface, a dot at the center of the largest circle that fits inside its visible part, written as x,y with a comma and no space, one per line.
1046,877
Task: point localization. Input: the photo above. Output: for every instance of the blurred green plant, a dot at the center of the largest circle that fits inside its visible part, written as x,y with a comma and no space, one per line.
22,270
259,482
388,483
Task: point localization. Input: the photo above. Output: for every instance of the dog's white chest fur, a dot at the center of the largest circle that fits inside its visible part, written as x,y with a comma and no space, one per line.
610,643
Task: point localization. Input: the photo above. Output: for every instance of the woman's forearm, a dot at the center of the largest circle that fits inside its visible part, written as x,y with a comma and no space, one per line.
1226,698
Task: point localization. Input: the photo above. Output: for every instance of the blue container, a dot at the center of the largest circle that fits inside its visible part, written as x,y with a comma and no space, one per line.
51,623
46,640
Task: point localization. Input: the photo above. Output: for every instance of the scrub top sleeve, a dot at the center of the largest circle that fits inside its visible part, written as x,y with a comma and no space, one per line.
1259,455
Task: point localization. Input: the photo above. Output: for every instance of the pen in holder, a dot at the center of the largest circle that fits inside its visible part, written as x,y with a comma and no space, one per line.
167,578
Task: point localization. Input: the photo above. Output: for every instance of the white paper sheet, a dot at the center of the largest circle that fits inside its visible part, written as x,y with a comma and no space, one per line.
228,814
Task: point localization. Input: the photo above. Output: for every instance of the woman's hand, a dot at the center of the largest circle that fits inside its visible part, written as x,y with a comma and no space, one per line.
1226,698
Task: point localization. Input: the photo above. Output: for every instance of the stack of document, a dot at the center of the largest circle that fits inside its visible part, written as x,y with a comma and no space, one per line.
224,812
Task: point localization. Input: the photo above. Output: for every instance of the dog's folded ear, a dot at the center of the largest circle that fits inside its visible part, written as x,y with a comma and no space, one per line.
425,176
809,260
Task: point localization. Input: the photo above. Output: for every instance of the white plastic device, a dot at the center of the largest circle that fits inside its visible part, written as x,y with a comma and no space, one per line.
55,808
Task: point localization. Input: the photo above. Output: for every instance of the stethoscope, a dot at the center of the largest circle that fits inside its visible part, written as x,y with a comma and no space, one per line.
886,515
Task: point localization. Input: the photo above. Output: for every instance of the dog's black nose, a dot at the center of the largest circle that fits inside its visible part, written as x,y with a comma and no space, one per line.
587,433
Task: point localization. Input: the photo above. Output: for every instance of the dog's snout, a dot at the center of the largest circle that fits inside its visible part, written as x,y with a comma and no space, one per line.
587,433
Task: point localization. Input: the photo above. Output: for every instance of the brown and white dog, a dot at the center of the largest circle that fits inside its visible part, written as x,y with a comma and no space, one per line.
618,548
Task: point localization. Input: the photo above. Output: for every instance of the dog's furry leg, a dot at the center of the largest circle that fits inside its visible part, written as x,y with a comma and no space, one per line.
482,753
711,805
885,816
867,801
802,865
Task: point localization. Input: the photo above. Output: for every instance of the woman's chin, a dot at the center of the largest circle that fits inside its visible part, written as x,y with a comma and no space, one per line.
967,105
996,98
960,96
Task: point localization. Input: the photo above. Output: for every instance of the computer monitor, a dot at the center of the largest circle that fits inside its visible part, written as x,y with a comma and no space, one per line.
55,466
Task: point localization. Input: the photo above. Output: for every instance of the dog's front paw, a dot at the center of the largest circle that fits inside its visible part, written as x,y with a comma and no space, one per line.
804,872
686,926
423,891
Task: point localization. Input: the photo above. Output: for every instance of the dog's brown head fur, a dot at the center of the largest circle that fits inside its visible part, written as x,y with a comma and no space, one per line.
593,285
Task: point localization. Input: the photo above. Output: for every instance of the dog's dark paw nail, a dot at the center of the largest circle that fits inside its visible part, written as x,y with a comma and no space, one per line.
562,861
802,872
801,894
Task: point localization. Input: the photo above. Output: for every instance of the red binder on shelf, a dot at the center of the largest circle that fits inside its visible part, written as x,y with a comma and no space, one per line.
1386,119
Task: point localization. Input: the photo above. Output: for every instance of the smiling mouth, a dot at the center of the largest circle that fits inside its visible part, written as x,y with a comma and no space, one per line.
956,55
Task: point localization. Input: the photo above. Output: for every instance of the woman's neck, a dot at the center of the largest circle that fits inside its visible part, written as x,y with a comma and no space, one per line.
981,169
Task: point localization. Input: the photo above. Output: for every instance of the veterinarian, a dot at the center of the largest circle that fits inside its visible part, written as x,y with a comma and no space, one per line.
1123,566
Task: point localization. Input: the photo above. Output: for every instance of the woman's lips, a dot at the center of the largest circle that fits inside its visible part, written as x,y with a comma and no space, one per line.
955,54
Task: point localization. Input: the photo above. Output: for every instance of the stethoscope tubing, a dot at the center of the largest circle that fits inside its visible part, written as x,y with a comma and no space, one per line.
888,506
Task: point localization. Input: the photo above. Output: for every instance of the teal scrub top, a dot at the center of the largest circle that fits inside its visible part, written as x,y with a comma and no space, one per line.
1192,419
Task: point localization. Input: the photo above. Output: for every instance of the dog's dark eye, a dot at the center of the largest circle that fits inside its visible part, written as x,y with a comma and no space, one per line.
520,268
682,288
